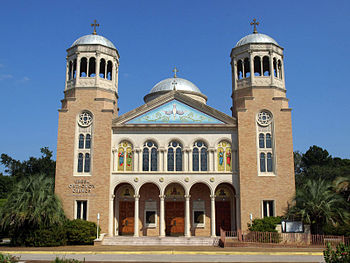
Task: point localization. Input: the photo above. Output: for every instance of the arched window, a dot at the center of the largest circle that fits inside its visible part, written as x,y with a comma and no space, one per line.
261,140
109,70
224,158
262,163
257,66
92,67
239,69
87,163
81,141
88,141
125,156
268,140
269,162
174,156
80,162
150,154
246,68
199,156
83,67
266,66
102,68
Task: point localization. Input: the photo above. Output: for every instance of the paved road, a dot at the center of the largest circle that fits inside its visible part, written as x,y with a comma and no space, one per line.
175,256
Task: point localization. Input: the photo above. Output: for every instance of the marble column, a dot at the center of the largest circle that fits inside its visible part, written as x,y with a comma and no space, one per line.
136,221
110,216
212,215
140,160
187,216
162,216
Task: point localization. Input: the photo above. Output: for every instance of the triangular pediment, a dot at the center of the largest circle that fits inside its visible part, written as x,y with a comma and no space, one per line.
174,112
174,108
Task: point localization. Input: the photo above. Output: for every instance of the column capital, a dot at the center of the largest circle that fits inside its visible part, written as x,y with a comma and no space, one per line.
161,196
136,197
212,196
187,196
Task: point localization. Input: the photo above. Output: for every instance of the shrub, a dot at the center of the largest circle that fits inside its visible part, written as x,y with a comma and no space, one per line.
47,237
340,255
63,260
80,232
8,258
266,224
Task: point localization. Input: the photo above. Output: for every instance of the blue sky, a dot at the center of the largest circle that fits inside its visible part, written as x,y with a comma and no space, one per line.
154,36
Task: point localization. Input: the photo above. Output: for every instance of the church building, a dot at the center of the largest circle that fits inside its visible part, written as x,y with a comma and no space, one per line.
174,166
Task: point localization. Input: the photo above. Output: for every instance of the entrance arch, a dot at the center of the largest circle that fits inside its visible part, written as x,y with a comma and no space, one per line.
149,209
174,210
225,207
200,210
124,209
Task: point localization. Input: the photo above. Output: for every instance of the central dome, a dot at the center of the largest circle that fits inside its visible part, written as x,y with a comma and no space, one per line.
256,38
93,40
179,83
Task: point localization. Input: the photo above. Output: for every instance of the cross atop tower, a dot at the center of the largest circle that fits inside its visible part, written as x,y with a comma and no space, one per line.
175,70
255,24
95,25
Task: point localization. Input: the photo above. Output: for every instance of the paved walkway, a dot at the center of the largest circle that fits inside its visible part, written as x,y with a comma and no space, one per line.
166,254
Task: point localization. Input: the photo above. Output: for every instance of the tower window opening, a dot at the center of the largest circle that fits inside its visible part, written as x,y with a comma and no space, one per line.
246,68
262,163
70,70
87,163
279,69
102,68
75,69
268,141
83,67
274,67
81,141
109,70
269,162
92,67
266,66
257,66
88,141
239,69
261,140
80,162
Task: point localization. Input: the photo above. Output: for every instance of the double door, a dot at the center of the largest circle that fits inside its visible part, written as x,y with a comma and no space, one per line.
175,218
222,216
126,218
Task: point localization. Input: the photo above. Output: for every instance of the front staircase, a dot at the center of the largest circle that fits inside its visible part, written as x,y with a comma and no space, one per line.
160,241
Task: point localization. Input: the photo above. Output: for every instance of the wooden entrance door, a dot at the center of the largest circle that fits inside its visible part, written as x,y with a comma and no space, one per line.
126,218
175,218
222,216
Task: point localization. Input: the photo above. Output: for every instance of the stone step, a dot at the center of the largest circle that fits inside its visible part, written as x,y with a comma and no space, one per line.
160,241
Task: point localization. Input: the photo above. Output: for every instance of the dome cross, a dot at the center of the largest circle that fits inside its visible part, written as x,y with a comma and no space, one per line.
175,70
255,24
95,25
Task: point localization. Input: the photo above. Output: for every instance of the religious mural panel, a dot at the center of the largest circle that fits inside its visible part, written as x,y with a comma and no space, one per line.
224,158
174,112
125,156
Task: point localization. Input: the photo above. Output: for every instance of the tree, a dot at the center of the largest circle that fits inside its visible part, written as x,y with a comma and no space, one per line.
316,156
31,205
6,185
33,166
342,185
317,204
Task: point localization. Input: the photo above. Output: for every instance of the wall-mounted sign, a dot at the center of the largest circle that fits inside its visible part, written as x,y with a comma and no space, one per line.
81,186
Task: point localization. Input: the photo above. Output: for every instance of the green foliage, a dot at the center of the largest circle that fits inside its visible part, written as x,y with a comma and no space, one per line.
32,205
80,232
6,186
8,258
2,202
63,260
33,166
266,224
317,204
47,237
340,255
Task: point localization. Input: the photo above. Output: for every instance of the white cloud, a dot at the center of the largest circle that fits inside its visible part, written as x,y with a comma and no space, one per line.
6,76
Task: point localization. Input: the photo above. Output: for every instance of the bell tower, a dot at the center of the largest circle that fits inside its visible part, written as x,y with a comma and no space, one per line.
84,128
265,144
